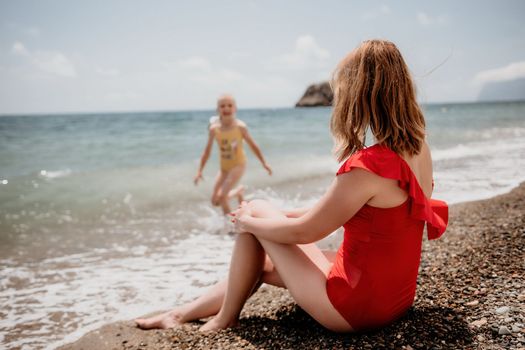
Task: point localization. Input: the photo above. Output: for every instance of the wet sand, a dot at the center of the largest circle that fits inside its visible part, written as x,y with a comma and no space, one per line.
471,295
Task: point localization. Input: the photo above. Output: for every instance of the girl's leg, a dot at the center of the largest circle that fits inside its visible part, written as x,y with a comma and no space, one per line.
216,194
237,192
303,269
231,178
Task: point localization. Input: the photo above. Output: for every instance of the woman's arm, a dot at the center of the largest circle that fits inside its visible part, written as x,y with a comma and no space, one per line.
255,148
347,194
295,213
205,156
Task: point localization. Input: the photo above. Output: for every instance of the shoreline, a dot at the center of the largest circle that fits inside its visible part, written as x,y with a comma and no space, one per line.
470,294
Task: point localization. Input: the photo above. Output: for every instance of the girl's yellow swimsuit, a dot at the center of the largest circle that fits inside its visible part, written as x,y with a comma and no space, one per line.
230,146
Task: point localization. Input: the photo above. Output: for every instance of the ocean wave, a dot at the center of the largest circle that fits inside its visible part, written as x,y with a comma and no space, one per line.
474,149
88,290
49,174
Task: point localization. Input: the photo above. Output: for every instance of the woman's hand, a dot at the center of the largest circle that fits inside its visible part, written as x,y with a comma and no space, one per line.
239,216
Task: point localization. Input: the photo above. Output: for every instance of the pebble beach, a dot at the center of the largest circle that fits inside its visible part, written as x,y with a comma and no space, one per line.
471,295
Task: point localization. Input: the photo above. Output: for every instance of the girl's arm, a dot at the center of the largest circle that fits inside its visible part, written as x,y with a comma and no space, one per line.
347,194
205,156
255,148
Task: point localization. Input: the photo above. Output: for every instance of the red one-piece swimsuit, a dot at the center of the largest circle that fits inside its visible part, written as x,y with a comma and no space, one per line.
373,279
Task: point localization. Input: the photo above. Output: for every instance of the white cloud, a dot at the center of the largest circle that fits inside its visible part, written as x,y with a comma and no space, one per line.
200,70
19,49
239,55
195,63
383,10
307,54
33,31
107,72
122,96
511,71
427,20
230,75
25,31
53,62
219,77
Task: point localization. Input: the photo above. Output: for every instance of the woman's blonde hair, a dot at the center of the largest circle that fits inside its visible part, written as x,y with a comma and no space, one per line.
373,88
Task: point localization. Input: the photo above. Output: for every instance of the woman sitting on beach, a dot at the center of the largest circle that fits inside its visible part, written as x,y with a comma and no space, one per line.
381,195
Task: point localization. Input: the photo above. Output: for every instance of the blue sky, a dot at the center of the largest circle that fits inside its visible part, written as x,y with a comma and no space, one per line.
73,56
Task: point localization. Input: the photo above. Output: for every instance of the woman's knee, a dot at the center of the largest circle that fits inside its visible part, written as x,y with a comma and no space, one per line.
247,239
262,208
244,236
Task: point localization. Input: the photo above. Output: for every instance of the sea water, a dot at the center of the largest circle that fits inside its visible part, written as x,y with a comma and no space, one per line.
100,220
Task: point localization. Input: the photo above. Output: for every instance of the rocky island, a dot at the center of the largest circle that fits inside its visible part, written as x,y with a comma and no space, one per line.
317,95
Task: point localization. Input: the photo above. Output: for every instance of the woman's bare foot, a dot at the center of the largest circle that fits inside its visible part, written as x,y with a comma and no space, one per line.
215,324
170,319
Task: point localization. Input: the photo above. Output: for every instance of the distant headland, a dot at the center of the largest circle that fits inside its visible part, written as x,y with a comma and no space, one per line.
317,95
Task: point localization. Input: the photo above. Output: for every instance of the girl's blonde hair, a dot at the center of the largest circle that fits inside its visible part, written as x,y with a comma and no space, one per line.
373,88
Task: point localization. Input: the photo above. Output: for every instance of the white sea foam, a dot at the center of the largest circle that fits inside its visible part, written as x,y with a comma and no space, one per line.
49,174
479,170
70,295
479,149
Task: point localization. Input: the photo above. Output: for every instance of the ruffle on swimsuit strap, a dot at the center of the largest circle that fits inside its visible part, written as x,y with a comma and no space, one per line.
386,163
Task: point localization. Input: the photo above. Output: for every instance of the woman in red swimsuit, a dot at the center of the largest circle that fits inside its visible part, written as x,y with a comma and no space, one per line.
381,195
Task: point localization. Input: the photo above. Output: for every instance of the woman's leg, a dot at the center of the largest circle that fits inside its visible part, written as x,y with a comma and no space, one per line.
208,304
302,268
246,269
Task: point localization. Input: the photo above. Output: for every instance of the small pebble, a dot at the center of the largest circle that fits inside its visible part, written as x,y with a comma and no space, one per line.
479,323
503,330
502,310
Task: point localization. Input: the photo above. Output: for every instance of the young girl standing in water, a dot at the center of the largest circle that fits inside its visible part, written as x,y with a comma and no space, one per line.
229,133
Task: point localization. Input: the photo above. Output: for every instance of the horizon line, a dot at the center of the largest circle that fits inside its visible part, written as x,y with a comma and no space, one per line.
124,111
